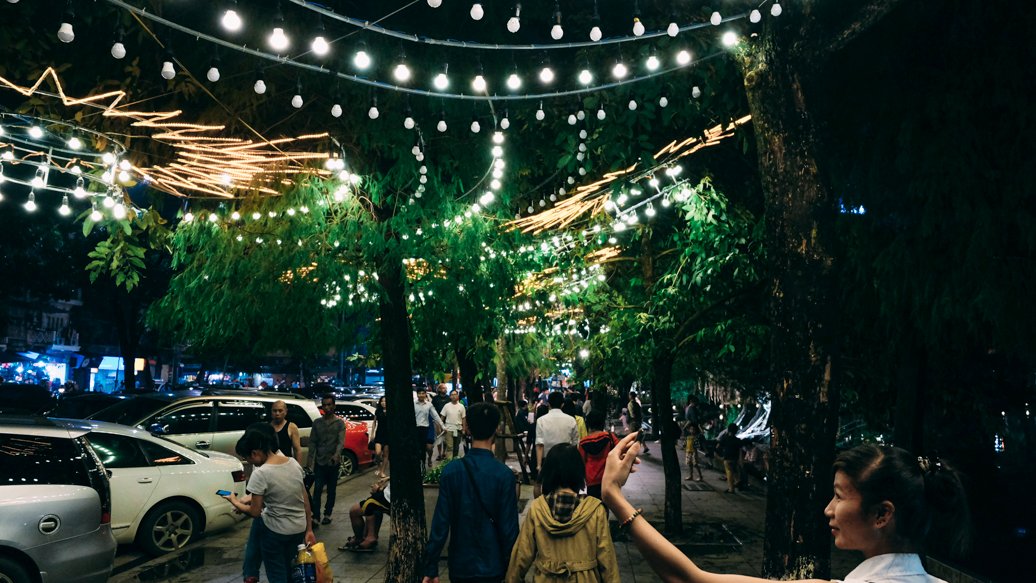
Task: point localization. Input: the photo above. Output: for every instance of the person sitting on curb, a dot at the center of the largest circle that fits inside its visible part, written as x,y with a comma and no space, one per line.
366,516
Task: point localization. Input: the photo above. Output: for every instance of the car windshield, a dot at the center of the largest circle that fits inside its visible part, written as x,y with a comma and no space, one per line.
129,411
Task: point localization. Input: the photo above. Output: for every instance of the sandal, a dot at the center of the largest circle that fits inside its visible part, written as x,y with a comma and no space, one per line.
362,548
349,544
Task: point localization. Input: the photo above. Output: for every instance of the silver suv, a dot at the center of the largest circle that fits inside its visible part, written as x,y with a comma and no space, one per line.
55,504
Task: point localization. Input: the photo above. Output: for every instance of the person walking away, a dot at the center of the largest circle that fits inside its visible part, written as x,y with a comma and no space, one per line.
594,449
729,450
455,422
636,418
278,502
439,400
381,437
477,509
572,410
428,424
326,439
889,504
691,431
565,536
551,429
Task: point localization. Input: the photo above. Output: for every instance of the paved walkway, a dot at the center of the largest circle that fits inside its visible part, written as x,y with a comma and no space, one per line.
725,535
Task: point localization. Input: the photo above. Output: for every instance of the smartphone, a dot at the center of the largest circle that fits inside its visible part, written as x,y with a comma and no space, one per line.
223,492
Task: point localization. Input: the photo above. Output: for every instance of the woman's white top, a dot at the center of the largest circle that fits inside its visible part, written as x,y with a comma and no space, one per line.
892,568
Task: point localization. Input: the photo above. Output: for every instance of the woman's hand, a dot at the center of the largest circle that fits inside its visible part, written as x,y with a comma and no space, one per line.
620,465
311,539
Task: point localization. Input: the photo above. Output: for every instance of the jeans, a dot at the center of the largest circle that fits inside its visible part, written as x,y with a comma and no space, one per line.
278,552
324,476
253,553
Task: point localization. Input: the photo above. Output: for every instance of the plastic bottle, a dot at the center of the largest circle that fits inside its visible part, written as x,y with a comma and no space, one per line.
305,570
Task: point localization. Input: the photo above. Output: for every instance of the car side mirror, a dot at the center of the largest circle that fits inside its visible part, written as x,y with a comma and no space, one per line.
109,472
157,429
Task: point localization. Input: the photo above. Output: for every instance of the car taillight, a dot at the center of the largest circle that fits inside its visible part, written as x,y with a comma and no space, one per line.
239,475
106,517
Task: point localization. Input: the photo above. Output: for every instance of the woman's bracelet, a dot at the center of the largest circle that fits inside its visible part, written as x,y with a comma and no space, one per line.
629,521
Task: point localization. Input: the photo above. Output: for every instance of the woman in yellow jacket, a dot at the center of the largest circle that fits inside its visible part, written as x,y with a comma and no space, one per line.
565,536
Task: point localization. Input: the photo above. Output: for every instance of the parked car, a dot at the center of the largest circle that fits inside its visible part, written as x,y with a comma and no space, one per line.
84,404
164,494
25,399
355,451
55,504
356,411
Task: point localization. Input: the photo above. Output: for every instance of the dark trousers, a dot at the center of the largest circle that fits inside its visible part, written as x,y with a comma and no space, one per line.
278,552
324,476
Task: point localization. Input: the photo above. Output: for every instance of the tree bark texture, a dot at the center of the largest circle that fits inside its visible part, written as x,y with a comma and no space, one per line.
408,514
468,371
126,316
799,219
661,396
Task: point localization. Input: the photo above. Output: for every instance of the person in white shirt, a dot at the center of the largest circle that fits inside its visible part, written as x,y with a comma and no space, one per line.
456,423
888,504
553,428
429,424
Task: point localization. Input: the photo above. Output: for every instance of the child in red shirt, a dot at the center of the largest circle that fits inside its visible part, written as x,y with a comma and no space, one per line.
594,449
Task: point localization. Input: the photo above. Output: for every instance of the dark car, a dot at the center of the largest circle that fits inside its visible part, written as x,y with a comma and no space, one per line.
25,399
83,405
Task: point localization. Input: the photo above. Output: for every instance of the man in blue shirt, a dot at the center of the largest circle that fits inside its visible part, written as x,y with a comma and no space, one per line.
477,504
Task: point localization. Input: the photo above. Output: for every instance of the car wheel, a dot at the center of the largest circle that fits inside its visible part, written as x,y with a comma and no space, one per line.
348,465
168,527
12,572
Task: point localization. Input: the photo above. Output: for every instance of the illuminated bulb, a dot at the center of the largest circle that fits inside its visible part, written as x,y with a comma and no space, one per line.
619,226
231,20
663,101
730,38
546,75
715,19
96,216
479,84
498,152
256,216
571,119
540,115
259,87
776,9
30,205
235,216
441,126
600,113
64,210
475,127
124,176
653,63
401,72
754,16
118,50
514,82
278,40
119,212
361,59
673,29
226,179
441,81
638,27
435,3
409,124
80,190
595,33
65,32
514,24
212,74
7,155
336,110
320,46
498,138
586,77
556,32
650,210
108,201
296,101
486,199
505,123
619,70
108,158
373,112
40,180
477,12
695,92
633,105
683,58
125,165
36,132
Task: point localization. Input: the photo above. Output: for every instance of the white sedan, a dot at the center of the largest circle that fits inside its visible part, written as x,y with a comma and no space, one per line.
164,494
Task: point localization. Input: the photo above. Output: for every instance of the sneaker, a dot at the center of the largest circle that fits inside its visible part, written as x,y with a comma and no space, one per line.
326,520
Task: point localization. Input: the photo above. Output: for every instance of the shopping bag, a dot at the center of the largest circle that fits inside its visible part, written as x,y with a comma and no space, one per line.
324,573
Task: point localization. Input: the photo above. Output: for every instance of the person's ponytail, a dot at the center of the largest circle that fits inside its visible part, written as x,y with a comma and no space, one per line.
949,511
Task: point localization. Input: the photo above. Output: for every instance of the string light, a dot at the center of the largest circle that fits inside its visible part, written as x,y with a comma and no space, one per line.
556,32
730,39
278,40
476,11
514,82
30,205
401,72
716,19
65,32
320,45
441,81
653,63
213,73
514,24
362,60
595,32
638,26
118,49
776,9
373,112
168,72
586,77
231,20
755,16
479,84
683,58
546,74
619,71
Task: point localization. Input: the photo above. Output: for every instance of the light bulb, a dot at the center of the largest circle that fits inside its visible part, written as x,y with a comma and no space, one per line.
36,132
683,58
441,81
540,115
572,119
505,123
320,46
168,72
296,101
213,74
695,92
556,32
498,138
514,82
65,32
278,40
755,16
776,9
477,12
124,176
730,38
633,105
108,158
475,127
653,63
409,123
64,210
546,74
336,110
638,27
715,19
373,112
401,72
586,77
96,216
435,3
441,126
119,212
40,180
600,115
486,199
361,59
673,29
80,191
259,87
595,33
513,24
118,50
619,70
231,20
479,84
663,101
30,205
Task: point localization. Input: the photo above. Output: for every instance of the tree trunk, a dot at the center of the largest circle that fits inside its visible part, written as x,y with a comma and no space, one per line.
468,371
799,216
126,320
408,515
662,373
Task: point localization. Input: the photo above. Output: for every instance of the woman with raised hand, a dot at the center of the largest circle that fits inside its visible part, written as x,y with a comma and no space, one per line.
887,504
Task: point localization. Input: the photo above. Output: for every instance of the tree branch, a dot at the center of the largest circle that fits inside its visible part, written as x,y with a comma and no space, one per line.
683,333
864,18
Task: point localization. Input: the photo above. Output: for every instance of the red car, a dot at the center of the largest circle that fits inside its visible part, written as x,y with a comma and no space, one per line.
354,452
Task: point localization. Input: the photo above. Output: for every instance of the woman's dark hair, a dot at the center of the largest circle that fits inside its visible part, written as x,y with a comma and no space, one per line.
562,468
931,505
595,419
259,436
379,406
483,420
570,409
